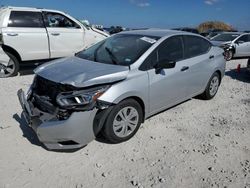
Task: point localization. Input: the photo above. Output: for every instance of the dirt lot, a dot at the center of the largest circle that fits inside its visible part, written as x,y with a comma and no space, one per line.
195,144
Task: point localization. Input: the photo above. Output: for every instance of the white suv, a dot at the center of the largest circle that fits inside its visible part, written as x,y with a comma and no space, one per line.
34,34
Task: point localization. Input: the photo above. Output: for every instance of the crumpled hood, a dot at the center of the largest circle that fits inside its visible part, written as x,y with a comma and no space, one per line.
80,72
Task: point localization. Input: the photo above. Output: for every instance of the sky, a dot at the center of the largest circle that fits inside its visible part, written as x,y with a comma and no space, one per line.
149,13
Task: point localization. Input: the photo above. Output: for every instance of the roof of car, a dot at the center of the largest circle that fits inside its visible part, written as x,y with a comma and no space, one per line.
153,32
27,9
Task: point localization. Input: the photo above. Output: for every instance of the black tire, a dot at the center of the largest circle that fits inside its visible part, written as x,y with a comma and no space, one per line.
229,55
207,93
14,67
108,130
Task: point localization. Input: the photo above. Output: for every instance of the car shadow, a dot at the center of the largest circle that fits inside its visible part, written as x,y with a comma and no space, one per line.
243,75
27,69
28,133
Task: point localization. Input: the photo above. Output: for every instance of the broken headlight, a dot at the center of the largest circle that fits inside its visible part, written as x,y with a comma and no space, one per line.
82,99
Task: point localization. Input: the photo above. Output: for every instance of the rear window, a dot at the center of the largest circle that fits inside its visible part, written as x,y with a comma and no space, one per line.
195,46
25,19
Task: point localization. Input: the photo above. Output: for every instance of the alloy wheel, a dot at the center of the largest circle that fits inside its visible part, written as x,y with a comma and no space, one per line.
7,69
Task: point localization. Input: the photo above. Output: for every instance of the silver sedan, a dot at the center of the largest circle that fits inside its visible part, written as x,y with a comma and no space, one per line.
114,86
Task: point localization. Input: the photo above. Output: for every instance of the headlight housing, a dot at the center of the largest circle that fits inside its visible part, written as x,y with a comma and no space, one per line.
82,99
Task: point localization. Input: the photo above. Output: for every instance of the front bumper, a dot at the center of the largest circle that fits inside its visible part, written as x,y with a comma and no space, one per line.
75,132
4,58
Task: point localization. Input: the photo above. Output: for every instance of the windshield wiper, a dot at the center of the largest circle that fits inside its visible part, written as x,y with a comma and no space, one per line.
112,56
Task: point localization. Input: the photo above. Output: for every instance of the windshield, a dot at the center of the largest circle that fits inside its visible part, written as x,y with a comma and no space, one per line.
225,37
120,49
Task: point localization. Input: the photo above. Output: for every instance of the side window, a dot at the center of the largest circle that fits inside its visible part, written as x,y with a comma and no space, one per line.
58,20
25,19
195,46
171,49
243,38
149,62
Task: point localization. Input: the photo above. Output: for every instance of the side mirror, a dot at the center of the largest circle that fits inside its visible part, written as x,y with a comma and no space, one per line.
164,64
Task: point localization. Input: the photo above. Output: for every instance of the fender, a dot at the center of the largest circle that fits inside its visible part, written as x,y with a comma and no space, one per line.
12,51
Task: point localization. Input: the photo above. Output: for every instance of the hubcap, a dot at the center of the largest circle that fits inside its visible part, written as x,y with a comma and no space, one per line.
7,69
214,86
125,121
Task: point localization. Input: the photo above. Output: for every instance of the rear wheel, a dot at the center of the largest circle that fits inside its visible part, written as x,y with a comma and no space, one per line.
10,68
123,121
212,87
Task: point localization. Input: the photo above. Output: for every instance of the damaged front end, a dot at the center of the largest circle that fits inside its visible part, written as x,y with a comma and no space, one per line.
64,116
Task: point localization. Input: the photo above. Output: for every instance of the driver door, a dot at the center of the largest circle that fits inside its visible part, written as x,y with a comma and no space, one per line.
167,87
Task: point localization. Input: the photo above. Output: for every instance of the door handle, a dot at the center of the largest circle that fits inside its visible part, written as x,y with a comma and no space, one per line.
211,56
184,68
12,34
55,34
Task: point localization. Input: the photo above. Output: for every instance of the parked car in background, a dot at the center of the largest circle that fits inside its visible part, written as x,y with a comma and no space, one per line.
211,32
34,34
235,44
187,29
113,86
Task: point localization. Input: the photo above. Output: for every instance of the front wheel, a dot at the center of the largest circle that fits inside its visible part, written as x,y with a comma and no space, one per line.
229,55
10,68
123,121
212,87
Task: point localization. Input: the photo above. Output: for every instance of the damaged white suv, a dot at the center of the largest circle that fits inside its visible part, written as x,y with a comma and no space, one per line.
28,34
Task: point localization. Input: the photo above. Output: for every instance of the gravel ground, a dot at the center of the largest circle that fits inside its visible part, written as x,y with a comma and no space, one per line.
195,144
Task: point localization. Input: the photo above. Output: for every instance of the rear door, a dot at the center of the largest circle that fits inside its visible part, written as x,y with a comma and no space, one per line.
65,36
199,61
243,46
27,35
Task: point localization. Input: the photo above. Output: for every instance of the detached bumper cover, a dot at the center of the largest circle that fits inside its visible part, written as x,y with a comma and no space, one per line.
4,58
75,132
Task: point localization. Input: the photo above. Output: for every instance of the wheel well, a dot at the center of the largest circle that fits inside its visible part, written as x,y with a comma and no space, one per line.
219,74
12,51
233,50
140,101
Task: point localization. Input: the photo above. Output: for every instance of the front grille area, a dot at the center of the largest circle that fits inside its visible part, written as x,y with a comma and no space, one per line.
50,89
